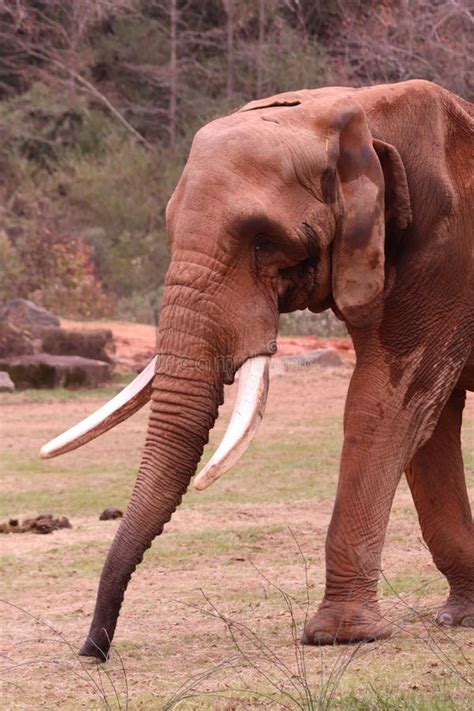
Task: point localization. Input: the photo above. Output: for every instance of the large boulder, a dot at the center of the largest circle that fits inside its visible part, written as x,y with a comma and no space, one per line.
37,353
28,317
97,344
43,370
14,341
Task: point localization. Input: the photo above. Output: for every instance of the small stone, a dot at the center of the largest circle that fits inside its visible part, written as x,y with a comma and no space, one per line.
321,357
63,522
44,523
110,514
6,383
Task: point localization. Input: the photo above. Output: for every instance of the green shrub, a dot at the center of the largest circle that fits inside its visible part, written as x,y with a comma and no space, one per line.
45,127
140,307
118,200
53,269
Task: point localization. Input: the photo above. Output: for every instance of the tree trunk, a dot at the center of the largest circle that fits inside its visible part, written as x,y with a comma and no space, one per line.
229,9
261,39
173,81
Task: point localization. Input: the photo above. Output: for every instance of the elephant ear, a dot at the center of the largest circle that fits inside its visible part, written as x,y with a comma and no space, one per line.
358,251
397,196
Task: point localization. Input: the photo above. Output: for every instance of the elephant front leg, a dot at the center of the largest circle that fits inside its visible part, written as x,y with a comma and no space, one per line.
385,423
350,611
437,482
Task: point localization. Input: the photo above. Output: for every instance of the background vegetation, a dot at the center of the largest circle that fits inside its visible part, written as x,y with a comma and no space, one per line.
99,101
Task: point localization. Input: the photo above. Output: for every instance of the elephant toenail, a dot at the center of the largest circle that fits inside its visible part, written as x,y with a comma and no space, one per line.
445,618
468,621
318,637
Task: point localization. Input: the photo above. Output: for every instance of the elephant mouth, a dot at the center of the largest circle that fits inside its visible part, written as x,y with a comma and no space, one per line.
247,414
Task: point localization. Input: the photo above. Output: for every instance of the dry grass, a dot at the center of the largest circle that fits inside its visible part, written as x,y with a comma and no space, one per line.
212,617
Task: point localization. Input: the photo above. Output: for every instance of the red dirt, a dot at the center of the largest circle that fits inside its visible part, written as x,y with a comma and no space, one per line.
135,342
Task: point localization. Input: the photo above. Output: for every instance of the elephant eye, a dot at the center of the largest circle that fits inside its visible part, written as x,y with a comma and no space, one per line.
264,245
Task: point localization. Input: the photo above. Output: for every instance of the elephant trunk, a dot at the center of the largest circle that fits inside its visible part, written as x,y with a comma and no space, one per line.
186,394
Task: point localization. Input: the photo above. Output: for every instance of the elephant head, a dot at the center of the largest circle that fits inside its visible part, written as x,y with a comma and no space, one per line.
282,205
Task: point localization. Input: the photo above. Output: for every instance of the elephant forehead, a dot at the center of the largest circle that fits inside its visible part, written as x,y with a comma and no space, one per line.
238,150
238,162
212,201
226,143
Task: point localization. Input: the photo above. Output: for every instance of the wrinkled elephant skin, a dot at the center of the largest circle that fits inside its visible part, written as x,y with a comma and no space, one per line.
359,200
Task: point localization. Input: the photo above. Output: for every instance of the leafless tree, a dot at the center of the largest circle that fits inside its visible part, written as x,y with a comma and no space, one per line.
229,10
48,47
260,42
173,79
430,39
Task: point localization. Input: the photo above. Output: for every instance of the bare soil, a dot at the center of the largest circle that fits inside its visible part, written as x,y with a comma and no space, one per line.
135,342
219,598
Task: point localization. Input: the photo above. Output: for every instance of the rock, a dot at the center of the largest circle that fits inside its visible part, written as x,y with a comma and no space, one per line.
26,316
110,514
6,383
322,357
44,523
97,344
325,357
13,341
43,370
47,524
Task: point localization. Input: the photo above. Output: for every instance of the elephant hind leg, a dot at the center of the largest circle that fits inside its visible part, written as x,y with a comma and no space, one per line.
436,479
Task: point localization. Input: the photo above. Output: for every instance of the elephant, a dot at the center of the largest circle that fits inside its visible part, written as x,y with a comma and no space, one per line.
358,200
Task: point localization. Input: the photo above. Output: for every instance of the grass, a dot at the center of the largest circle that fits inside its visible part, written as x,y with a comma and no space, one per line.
468,449
184,549
244,558
83,560
413,583
30,395
271,472
377,701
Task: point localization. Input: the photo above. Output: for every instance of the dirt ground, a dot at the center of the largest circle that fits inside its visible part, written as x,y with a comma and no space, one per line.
135,342
212,616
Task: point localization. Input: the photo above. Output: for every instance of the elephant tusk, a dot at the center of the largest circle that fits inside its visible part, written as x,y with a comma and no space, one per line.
126,403
248,412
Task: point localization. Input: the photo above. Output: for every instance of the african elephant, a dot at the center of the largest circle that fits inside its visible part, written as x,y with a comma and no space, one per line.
358,200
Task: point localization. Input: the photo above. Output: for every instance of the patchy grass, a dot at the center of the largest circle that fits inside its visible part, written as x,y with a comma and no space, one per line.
56,487
186,549
468,448
47,395
411,583
212,617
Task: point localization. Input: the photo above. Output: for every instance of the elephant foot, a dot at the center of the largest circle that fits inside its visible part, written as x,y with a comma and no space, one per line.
457,610
346,623
98,652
